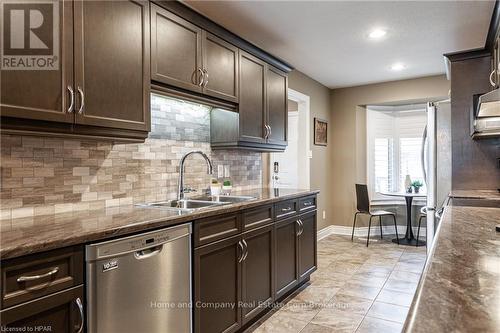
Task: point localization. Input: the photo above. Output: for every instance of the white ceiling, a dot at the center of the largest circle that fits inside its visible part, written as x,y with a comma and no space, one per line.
327,40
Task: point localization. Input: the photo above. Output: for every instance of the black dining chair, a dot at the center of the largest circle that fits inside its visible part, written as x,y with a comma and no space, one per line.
423,215
363,207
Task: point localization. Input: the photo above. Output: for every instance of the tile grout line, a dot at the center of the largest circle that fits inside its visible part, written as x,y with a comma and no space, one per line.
373,302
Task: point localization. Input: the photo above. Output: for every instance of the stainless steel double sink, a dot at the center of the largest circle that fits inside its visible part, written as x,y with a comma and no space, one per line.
197,203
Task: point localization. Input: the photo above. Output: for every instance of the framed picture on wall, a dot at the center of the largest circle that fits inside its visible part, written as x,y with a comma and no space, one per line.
320,132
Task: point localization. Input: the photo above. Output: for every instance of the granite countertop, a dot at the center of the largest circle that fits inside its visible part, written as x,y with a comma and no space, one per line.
459,290
23,236
476,194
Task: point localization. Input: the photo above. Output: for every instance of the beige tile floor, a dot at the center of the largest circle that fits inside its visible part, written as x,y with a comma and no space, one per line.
355,289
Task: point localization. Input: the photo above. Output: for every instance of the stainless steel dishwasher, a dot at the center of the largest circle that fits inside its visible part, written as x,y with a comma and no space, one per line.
140,283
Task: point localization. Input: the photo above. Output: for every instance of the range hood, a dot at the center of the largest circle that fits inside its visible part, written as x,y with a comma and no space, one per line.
485,116
488,105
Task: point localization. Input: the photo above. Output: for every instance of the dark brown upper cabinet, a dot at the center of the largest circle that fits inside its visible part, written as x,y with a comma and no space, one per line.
220,66
102,86
187,57
176,45
261,120
277,106
112,64
252,108
43,94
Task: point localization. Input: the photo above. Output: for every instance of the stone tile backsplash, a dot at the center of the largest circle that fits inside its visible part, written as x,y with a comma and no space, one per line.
42,175
179,120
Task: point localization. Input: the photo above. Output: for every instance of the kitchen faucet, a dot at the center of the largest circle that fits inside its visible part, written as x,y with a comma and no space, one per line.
181,190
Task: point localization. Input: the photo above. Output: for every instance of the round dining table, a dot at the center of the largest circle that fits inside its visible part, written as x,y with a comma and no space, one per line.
409,239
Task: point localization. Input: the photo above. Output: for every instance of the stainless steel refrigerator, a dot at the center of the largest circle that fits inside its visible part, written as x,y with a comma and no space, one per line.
436,162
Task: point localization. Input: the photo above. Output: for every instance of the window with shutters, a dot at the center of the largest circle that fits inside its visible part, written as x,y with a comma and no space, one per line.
394,144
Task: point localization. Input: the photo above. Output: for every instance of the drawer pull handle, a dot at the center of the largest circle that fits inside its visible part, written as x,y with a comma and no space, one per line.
286,209
80,309
308,203
37,277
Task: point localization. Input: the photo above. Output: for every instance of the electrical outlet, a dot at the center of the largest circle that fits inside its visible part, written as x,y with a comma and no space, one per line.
324,215
220,171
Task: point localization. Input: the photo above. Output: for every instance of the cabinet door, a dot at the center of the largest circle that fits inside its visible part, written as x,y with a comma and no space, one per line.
220,61
252,106
217,280
277,105
286,255
58,312
43,94
257,272
307,245
175,50
112,64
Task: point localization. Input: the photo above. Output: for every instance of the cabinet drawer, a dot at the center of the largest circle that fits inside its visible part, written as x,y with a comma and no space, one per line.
285,209
59,312
34,276
307,203
257,217
216,228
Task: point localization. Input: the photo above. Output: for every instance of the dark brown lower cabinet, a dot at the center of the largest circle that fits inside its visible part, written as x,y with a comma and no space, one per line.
307,245
257,272
286,255
217,282
58,312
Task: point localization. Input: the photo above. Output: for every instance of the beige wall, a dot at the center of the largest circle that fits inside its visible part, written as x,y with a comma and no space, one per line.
321,156
348,134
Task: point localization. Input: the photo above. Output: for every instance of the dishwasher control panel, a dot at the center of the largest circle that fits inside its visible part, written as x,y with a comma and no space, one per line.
136,243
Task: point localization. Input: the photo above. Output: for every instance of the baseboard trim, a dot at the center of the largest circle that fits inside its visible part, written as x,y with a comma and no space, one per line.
363,231
325,232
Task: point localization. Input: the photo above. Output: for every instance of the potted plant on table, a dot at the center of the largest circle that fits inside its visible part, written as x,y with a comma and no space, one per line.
417,184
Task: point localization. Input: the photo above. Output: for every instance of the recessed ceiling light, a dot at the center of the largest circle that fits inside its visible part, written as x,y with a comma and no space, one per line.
377,33
398,66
